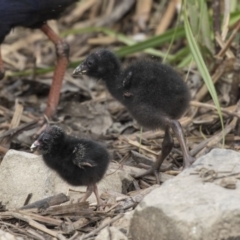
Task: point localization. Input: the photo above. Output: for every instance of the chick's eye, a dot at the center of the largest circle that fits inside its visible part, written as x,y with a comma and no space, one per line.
45,140
89,63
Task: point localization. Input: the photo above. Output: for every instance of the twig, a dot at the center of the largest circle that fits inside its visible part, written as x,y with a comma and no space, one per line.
3,150
226,66
210,106
29,196
229,41
37,225
101,227
25,126
47,202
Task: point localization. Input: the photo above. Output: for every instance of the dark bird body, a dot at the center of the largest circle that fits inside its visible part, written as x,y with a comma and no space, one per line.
153,93
147,94
29,13
80,162
35,14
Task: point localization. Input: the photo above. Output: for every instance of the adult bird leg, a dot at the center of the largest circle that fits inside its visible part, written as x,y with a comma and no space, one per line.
167,146
1,66
90,189
62,50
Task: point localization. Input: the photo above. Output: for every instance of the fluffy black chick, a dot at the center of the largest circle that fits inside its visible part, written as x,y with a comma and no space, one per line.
153,93
78,161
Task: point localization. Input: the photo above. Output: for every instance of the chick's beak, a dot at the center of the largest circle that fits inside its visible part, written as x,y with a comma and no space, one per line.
35,145
81,69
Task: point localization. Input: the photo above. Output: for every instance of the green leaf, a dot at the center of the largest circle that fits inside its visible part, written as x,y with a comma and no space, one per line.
201,65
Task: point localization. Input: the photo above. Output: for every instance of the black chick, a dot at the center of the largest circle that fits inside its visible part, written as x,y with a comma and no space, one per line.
153,93
78,161
34,14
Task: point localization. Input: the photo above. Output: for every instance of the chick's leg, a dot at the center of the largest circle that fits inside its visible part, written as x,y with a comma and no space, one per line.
95,190
90,189
88,193
1,66
177,129
62,49
167,146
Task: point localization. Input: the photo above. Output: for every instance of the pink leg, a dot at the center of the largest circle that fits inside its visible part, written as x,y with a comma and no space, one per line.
62,62
89,191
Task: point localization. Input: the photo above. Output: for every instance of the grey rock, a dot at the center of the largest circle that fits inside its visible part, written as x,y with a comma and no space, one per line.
123,223
186,207
111,233
22,173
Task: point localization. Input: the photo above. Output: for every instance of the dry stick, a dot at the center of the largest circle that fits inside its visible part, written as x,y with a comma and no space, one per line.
35,234
217,138
15,119
221,44
137,144
3,150
211,141
37,225
210,106
27,200
101,227
167,17
42,219
143,11
6,111
22,127
14,227
136,198
17,115
227,64
117,13
199,147
47,202
229,41
226,19
68,228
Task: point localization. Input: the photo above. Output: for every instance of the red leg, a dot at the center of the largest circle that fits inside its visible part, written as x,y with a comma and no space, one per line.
62,62
1,66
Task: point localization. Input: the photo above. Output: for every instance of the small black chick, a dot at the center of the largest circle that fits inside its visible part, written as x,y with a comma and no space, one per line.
153,93
78,161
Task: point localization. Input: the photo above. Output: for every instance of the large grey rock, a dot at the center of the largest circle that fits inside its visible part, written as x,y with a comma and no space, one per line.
111,233
186,207
23,173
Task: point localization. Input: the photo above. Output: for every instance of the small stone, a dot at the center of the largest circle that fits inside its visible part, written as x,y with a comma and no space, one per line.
229,182
22,173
